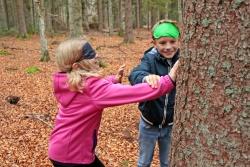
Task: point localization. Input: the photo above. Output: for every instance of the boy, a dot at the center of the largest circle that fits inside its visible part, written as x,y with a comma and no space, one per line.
157,115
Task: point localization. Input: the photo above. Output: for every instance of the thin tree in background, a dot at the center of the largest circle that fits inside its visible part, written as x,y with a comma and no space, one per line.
100,14
85,14
49,16
43,41
212,117
110,17
22,30
128,36
4,19
121,17
75,18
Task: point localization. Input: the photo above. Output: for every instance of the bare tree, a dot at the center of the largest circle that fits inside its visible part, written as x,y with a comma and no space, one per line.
22,30
110,17
43,41
128,37
4,19
212,118
75,18
100,14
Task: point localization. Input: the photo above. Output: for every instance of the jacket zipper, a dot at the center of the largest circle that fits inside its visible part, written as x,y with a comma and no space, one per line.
166,103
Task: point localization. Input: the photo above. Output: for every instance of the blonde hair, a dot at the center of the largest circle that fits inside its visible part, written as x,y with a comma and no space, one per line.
70,52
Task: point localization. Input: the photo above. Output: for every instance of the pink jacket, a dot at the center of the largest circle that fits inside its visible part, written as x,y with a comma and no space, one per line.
74,137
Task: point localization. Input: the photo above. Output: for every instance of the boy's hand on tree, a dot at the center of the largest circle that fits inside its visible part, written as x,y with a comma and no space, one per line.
173,71
152,80
120,73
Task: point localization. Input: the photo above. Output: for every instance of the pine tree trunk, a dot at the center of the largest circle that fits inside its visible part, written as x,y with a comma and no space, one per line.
128,37
75,18
43,41
22,30
212,118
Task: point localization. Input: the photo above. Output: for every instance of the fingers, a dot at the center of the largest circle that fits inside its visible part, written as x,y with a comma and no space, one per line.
121,70
120,73
152,80
173,71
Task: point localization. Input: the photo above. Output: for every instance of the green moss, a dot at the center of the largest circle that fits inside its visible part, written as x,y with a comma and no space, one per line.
4,53
228,108
32,70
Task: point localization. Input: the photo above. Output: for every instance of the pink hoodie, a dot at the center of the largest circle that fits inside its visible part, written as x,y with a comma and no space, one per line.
74,137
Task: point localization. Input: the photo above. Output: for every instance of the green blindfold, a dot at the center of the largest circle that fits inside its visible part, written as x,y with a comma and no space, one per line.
165,29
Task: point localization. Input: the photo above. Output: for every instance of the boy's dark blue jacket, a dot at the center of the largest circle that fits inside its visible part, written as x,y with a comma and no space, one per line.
153,63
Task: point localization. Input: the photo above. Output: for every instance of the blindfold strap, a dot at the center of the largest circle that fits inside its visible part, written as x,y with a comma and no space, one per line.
88,52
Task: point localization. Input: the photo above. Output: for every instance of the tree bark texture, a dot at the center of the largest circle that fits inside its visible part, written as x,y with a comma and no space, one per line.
21,19
75,18
128,37
212,123
4,20
43,41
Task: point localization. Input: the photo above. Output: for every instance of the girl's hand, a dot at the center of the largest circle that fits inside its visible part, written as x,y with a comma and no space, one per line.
173,71
120,73
152,80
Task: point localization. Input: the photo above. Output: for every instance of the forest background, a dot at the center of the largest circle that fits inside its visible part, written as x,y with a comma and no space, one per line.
212,112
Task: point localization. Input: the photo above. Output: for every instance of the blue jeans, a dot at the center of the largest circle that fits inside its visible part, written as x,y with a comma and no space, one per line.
148,137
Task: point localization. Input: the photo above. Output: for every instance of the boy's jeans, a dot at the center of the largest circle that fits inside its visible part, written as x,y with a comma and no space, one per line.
148,137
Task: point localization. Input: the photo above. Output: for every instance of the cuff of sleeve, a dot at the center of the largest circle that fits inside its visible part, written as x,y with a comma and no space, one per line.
174,83
144,79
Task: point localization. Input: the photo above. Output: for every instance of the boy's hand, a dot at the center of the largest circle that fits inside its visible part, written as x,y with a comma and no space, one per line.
152,80
120,73
173,71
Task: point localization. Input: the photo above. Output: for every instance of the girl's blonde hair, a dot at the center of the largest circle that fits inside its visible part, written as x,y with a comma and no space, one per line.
70,52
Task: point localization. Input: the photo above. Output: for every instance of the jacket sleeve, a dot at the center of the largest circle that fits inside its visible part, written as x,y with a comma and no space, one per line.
106,94
139,72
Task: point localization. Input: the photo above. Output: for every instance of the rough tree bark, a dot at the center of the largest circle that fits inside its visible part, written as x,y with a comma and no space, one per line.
213,103
128,36
75,18
22,30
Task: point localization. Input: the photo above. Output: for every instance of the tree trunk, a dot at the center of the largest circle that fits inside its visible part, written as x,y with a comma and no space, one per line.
110,17
105,14
212,118
180,11
49,16
128,37
4,20
121,17
138,14
43,41
22,30
100,14
75,18
85,14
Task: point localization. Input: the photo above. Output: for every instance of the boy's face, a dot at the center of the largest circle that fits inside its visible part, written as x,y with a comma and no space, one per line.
166,46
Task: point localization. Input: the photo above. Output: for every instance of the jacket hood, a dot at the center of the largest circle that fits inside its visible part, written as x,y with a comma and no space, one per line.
61,89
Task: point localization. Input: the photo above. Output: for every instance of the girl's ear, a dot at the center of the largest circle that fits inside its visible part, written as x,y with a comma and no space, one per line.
75,66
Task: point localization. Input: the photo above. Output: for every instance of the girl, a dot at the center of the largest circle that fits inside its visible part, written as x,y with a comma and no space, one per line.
82,94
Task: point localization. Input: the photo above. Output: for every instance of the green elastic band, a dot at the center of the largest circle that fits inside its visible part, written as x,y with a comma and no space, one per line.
166,30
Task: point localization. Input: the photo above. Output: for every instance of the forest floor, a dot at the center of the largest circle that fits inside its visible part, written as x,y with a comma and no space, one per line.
25,127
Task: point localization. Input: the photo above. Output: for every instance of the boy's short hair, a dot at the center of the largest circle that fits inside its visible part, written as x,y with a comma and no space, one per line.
166,28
